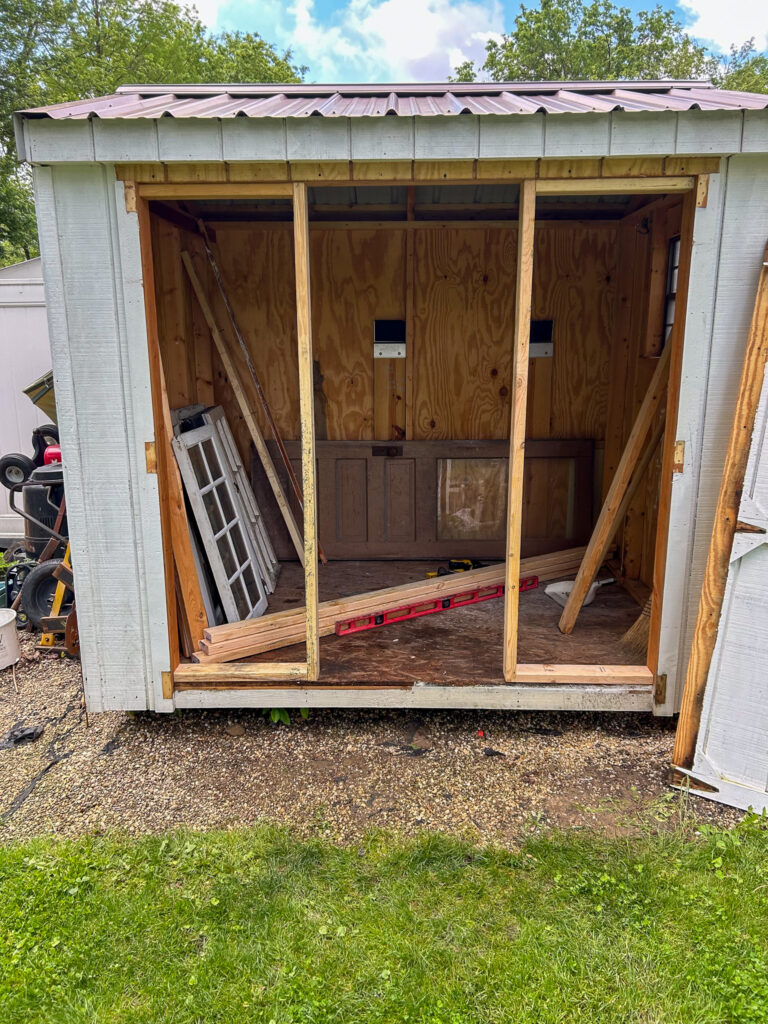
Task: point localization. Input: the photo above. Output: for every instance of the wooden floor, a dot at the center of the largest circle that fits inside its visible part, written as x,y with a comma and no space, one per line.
453,647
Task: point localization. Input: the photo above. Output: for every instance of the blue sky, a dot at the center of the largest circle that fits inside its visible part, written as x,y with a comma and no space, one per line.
423,40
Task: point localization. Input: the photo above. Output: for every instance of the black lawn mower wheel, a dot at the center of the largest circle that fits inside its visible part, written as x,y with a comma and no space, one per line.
15,469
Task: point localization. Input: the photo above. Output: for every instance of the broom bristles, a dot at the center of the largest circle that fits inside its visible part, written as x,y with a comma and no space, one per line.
635,640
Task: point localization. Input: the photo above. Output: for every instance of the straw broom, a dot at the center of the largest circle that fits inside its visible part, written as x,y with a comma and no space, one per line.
635,640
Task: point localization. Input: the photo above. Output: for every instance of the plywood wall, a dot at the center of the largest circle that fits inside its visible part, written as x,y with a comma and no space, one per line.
642,257
463,290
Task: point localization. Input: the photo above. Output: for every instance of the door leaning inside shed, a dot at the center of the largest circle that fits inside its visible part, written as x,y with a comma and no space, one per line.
413,333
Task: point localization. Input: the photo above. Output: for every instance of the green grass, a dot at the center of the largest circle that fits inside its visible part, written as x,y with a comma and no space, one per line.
259,926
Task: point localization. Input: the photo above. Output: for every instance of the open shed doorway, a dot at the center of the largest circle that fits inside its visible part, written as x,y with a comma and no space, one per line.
413,304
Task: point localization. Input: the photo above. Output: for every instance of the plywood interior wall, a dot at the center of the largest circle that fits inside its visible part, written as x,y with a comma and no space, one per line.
593,279
642,258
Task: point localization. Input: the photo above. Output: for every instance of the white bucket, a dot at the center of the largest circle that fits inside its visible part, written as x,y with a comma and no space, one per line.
10,651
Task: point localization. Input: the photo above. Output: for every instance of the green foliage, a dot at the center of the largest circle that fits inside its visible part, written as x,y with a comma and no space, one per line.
52,51
570,39
281,716
255,925
744,69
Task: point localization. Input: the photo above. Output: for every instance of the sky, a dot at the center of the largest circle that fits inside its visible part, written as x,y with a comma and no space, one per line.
424,40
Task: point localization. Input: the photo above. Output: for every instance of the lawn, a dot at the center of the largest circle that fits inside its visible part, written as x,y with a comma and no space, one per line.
256,925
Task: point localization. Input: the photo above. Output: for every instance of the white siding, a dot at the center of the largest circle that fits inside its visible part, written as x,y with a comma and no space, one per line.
90,253
24,356
732,748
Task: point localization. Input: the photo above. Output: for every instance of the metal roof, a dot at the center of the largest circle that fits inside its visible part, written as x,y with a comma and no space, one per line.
407,100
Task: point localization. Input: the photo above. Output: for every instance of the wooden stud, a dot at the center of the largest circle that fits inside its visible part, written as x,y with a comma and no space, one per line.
702,190
306,402
607,521
612,186
587,675
410,314
726,519
522,331
196,172
211,190
632,167
129,191
675,344
177,546
382,170
242,400
140,172
167,684
248,171
443,170
150,454
250,672
320,170
692,165
569,169
506,170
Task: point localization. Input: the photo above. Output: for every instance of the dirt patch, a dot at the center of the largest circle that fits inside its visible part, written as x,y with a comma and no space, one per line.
491,774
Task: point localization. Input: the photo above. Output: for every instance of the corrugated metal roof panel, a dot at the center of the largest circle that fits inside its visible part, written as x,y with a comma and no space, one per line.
415,100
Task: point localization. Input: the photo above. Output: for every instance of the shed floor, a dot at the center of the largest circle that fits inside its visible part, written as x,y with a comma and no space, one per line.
457,647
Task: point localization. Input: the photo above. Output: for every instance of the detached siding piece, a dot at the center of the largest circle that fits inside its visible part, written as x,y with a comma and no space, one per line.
732,748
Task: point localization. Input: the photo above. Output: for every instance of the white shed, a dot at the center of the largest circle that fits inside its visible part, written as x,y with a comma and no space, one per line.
495,321
25,355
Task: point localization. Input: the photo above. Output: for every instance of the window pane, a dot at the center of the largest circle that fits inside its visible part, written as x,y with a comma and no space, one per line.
201,473
212,459
673,281
227,557
471,499
670,315
212,511
251,586
227,507
237,539
241,599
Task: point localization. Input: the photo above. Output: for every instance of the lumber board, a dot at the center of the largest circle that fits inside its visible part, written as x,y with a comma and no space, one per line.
252,672
307,416
239,640
177,544
239,392
608,518
523,302
724,529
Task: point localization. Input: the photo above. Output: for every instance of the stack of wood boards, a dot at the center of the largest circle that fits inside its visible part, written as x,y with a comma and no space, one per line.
255,636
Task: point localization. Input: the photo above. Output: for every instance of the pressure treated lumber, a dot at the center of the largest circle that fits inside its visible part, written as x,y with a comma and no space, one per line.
724,529
242,400
307,414
249,673
609,514
523,300
241,639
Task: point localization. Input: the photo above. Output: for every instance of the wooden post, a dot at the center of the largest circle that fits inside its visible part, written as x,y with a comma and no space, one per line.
523,299
724,530
608,519
177,545
306,400
675,342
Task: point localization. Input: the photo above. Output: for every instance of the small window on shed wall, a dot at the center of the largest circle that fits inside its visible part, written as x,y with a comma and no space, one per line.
670,298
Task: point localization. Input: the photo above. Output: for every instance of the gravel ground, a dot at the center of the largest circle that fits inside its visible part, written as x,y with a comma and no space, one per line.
486,775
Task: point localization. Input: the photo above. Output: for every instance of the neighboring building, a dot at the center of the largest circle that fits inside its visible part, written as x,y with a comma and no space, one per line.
25,355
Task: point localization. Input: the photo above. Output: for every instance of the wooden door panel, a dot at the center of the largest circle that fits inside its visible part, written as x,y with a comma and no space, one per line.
437,499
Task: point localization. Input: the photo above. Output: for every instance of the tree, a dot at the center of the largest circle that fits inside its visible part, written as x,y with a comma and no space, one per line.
566,40
744,69
57,50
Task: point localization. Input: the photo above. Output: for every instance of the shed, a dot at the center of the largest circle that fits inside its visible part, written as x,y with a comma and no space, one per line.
26,355
491,321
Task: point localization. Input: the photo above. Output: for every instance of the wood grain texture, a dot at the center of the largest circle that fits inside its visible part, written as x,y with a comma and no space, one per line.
307,412
522,328
726,518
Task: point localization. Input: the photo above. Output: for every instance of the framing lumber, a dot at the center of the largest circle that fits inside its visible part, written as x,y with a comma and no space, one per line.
676,342
177,546
612,186
609,514
255,636
523,300
307,416
726,520
248,673
595,675
239,392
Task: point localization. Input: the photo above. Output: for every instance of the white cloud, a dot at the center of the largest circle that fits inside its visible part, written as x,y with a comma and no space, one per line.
369,40
725,23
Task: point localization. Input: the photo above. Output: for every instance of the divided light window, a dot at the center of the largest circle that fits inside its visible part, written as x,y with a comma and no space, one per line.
670,299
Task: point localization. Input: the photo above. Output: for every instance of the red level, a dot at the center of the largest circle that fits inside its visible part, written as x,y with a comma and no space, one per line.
414,611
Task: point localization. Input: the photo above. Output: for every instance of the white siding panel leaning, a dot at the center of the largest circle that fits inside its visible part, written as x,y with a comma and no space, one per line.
732,749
